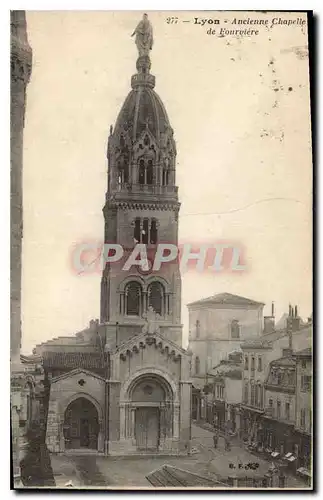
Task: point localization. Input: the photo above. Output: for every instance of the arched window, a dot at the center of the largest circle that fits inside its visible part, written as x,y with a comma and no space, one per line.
197,365
153,232
235,329
145,231
150,172
133,299
136,234
141,172
120,174
165,173
156,297
122,171
197,325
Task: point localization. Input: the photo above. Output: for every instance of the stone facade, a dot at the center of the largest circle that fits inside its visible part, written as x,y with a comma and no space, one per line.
20,59
26,373
217,326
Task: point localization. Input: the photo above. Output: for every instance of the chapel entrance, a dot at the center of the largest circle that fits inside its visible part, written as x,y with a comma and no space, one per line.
151,413
81,425
147,425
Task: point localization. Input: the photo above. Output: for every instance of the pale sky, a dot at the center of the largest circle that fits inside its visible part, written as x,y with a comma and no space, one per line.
243,166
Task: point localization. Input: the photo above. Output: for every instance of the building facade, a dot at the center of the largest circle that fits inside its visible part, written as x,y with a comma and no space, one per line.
21,61
258,356
217,326
123,385
303,403
27,374
227,391
280,406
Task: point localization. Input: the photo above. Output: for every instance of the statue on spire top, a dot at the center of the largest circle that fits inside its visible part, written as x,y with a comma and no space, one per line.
144,36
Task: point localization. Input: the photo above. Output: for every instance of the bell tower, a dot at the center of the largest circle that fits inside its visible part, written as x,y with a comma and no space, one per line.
141,207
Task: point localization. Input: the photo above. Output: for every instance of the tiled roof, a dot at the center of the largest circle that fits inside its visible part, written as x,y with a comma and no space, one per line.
72,360
168,476
266,339
227,298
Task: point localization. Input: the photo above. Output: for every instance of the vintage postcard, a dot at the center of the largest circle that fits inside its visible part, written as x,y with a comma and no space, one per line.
161,250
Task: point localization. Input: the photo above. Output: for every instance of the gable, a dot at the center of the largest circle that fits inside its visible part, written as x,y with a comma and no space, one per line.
77,374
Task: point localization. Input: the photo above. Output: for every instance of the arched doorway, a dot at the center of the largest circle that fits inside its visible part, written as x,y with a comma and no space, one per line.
151,406
81,425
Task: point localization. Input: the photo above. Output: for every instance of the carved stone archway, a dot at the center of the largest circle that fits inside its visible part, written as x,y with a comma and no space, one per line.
149,411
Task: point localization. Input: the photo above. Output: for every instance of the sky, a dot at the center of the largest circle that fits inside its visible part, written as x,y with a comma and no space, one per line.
240,110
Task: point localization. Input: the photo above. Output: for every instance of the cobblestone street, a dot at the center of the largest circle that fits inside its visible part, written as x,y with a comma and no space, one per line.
119,472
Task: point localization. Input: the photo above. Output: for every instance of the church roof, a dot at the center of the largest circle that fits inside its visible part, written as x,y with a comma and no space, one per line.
227,298
72,360
142,109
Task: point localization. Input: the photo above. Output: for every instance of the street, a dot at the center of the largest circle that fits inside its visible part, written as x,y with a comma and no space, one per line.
127,472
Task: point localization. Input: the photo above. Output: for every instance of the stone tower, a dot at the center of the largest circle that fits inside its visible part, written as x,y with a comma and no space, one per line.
141,208
130,368
21,58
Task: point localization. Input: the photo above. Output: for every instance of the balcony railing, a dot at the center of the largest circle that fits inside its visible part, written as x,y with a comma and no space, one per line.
154,189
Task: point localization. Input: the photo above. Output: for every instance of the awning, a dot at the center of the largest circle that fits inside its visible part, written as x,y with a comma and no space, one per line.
275,454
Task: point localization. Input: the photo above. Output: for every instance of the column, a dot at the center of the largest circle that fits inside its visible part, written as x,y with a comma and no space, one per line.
132,422
141,227
122,421
122,303
61,435
176,421
145,302
101,436
133,172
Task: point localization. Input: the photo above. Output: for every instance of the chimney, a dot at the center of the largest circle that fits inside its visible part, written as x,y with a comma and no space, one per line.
272,309
290,311
293,324
269,324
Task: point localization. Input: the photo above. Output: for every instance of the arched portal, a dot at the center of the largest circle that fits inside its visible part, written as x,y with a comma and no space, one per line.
81,425
150,412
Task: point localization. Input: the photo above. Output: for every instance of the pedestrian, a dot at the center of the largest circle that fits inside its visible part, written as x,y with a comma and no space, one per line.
227,443
216,439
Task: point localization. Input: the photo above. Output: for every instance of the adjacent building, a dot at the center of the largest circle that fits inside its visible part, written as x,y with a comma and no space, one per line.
217,327
227,391
303,404
27,375
258,355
